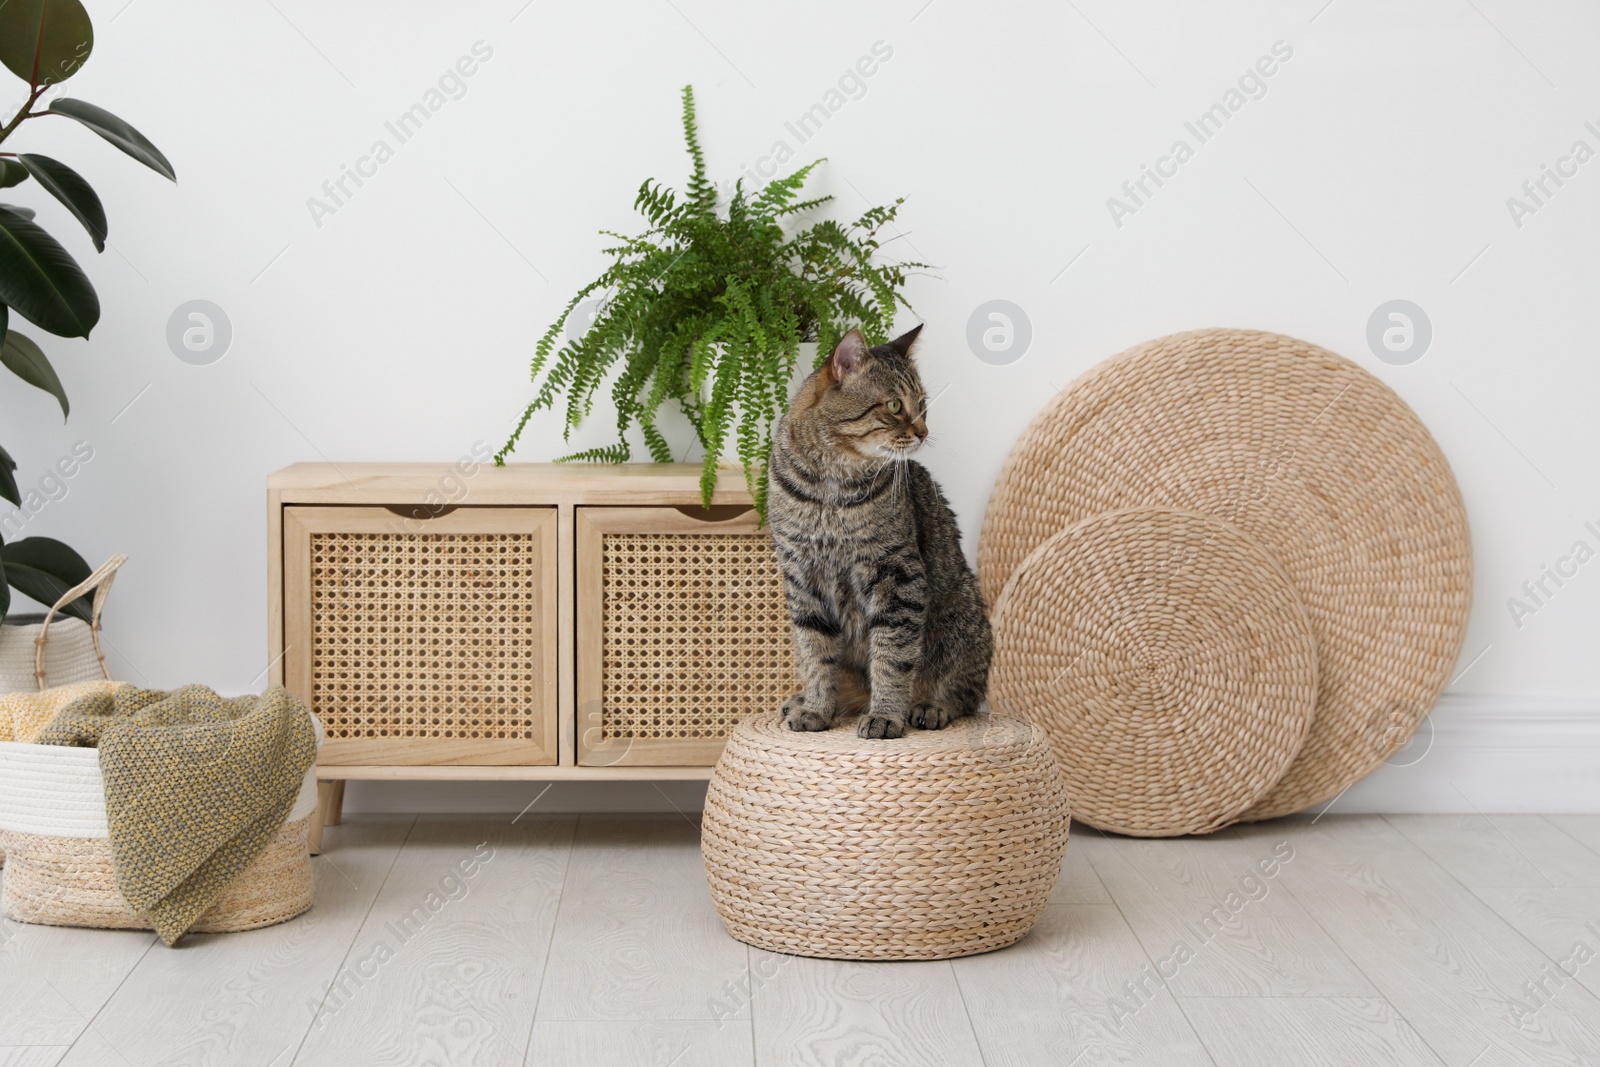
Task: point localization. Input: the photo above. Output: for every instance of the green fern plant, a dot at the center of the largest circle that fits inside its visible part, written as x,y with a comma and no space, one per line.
707,309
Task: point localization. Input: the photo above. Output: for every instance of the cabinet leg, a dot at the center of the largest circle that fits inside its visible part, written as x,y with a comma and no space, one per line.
325,803
336,805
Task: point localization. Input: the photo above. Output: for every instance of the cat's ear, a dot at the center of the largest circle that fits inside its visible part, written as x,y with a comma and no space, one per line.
848,356
901,346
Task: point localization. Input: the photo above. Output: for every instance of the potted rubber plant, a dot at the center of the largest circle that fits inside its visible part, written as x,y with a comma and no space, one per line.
707,309
44,43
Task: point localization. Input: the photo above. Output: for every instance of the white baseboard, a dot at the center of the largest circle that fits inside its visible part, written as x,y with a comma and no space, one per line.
687,797
1475,753
1491,754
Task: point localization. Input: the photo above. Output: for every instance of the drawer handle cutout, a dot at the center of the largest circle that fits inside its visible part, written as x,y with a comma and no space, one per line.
715,513
419,512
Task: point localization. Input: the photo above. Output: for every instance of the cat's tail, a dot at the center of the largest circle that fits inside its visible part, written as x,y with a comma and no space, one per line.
854,693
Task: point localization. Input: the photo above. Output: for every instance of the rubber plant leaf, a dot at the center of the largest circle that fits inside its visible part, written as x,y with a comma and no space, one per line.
25,359
40,281
68,186
8,479
45,42
44,568
117,132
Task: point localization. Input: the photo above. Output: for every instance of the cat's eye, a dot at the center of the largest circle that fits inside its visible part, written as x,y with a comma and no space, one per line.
893,406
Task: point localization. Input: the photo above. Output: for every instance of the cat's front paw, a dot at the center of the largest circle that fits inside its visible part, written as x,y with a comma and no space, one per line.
880,726
930,717
801,716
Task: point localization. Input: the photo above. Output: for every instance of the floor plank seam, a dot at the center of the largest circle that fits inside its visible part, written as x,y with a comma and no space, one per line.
549,945
1581,846
1150,963
1205,1046
1471,895
755,1055
89,1022
1275,996
1356,962
354,934
1351,955
1548,884
977,1042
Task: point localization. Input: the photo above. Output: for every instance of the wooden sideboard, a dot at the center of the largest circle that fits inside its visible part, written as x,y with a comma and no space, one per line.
533,621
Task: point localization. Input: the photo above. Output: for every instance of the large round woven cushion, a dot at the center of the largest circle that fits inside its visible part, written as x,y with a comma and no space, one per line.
1168,659
941,843
1316,461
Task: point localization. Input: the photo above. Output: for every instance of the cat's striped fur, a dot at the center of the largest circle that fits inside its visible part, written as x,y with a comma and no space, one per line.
887,615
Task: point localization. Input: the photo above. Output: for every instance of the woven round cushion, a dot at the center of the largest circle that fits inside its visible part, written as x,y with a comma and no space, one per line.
1316,461
941,843
1168,659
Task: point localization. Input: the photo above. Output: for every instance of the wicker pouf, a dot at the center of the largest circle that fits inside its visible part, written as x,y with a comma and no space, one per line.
941,843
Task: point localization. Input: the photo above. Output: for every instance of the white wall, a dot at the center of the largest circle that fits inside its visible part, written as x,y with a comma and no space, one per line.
1376,166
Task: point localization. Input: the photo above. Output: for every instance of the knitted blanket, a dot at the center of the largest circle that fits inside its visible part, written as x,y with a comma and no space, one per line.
23,715
196,786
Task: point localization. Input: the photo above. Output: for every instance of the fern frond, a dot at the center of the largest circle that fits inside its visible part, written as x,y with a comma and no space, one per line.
804,205
782,191
701,192
617,453
705,309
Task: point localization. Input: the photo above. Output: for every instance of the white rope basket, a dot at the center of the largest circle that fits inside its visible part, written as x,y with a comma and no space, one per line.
56,791
62,871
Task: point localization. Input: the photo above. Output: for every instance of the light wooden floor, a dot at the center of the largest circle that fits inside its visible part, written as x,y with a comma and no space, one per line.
1464,941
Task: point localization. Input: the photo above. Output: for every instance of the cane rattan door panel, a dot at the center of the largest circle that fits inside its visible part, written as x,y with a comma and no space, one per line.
681,632
424,642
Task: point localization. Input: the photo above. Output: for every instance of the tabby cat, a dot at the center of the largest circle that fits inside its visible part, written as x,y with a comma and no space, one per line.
888,620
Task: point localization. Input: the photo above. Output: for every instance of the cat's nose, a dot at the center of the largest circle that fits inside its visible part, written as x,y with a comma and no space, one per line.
921,430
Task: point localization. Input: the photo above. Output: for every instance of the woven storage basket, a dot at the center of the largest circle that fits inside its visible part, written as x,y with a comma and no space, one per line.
1169,661
59,866
37,651
69,881
70,654
1315,460
942,843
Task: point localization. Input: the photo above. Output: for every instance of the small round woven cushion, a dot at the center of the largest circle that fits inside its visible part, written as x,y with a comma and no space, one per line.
941,843
1315,460
1170,662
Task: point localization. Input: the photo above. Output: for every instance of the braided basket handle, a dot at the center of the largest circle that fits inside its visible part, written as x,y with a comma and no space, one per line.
100,582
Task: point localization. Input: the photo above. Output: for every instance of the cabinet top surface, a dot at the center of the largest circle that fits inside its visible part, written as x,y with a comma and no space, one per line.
472,482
